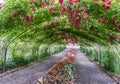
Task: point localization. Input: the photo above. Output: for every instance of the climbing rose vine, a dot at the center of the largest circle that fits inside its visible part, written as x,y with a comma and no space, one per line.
0,6
61,1
52,9
81,17
118,26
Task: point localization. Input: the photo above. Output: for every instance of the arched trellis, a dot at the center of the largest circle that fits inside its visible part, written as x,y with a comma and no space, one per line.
87,33
8,44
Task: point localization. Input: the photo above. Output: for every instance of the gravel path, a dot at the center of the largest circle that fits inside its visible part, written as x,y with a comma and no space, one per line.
86,72
30,74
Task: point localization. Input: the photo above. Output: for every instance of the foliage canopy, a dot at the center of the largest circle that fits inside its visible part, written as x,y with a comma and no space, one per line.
61,21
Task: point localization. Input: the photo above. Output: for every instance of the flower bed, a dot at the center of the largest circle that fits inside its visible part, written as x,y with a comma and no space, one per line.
61,72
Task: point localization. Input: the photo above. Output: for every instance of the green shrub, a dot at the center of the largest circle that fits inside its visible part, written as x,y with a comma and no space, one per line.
21,54
109,58
0,65
10,65
20,60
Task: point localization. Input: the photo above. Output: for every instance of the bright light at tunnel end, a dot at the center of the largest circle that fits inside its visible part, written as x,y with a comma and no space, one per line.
1,1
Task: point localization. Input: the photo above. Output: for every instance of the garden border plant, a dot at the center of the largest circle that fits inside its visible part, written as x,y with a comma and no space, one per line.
19,56
61,72
109,56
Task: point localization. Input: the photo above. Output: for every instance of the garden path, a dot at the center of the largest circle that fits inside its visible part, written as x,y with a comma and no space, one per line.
87,72
30,74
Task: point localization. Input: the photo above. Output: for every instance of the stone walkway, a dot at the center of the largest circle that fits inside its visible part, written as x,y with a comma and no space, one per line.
30,74
87,72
